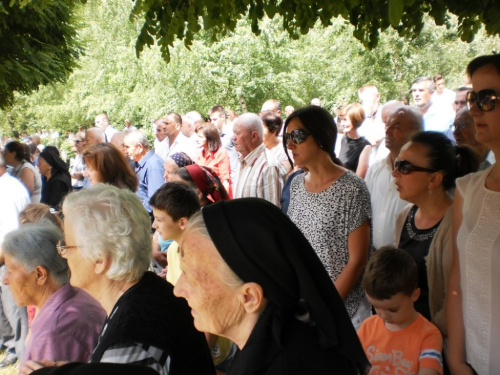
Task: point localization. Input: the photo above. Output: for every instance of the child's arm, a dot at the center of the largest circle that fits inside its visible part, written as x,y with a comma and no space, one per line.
427,371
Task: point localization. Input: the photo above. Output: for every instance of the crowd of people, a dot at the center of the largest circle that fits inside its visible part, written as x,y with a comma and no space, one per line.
360,242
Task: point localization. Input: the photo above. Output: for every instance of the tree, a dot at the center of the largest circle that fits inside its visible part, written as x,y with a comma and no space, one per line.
166,21
327,63
38,45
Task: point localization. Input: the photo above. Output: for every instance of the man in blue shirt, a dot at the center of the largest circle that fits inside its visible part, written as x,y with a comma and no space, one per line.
149,166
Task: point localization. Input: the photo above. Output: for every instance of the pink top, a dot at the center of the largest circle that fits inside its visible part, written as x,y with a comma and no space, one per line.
66,328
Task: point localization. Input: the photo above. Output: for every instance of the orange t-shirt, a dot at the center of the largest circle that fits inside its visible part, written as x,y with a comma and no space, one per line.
403,352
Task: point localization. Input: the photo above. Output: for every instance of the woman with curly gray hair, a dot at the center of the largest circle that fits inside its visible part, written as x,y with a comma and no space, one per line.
108,249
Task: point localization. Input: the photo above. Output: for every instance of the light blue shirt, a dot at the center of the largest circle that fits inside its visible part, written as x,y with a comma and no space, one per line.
149,172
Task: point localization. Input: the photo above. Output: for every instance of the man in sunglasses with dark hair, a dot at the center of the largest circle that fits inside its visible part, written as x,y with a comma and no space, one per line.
400,125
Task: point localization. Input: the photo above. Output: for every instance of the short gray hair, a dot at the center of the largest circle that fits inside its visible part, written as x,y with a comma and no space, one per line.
197,225
138,137
430,84
108,221
251,122
34,245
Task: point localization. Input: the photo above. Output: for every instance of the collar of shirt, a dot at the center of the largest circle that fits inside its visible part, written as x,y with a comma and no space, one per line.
251,157
140,164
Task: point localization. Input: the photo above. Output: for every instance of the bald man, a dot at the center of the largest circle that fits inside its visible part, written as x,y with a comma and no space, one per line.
94,136
118,141
401,124
102,122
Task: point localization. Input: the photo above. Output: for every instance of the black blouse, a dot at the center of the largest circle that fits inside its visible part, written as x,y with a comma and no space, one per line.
417,243
350,150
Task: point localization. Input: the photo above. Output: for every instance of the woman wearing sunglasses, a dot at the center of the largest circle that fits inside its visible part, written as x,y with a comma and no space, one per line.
330,205
425,173
473,298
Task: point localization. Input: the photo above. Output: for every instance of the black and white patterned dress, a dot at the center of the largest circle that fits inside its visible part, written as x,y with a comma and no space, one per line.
327,218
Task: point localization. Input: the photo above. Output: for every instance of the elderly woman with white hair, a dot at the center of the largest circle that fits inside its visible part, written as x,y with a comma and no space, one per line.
108,249
270,294
69,320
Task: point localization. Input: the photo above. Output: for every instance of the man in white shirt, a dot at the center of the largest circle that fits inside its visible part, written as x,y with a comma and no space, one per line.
170,138
401,124
102,122
13,319
435,118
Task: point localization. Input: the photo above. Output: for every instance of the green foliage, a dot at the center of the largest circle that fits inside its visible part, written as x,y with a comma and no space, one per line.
165,21
38,45
327,63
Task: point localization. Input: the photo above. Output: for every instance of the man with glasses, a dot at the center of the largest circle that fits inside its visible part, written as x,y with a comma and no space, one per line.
149,166
464,132
401,124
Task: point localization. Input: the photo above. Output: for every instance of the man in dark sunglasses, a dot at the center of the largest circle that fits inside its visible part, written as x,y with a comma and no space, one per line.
400,125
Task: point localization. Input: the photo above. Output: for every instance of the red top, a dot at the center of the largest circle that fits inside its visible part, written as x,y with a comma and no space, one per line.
218,161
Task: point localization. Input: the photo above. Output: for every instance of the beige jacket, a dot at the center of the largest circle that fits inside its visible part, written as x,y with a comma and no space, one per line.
438,264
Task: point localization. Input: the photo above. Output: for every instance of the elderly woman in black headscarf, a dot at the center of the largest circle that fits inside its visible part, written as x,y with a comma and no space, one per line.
57,178
250,275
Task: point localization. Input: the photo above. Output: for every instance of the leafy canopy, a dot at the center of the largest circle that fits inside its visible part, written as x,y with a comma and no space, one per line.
167,20
37,45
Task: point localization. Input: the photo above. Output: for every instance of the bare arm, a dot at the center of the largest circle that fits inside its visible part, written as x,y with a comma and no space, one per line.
364,159
454,313
28,179
358,243
427,371
158,255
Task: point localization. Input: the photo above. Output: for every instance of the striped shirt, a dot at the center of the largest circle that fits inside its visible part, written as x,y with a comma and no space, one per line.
135,353
261,175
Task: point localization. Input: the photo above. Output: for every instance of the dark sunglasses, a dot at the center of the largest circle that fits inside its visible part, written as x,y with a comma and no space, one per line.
298,136
485,99
405,167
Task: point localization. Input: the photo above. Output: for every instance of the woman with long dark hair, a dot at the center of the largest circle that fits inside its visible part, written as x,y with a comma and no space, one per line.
425,174
330,205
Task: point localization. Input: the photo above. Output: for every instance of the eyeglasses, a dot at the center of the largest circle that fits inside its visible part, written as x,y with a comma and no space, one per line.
485,99
62,248
405,167
459,125
298,136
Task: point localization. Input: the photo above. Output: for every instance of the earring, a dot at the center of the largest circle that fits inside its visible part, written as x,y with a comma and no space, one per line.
430,191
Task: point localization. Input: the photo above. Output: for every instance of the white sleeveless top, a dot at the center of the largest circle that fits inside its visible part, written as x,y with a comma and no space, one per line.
478,243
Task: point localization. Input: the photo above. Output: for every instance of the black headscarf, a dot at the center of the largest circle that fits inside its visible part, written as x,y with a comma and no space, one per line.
260,244
52,157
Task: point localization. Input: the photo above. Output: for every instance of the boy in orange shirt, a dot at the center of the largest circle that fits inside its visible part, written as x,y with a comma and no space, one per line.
398,340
